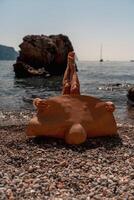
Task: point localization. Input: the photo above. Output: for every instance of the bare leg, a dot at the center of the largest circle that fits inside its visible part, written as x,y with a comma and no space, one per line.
66,81
71,83
75,84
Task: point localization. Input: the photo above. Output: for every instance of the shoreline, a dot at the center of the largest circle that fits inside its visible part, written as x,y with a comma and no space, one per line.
101,168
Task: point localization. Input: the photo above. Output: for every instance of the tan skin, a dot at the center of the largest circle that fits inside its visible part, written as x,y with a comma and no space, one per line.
71,84
72,116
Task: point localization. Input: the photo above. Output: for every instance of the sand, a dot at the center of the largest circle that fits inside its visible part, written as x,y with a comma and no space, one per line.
47,168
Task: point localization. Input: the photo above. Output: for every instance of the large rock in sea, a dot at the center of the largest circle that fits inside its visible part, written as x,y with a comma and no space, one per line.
42,55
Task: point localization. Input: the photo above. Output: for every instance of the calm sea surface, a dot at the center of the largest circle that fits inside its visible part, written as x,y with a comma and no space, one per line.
107,80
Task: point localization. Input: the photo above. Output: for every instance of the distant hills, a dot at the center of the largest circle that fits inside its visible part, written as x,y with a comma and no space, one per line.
7,53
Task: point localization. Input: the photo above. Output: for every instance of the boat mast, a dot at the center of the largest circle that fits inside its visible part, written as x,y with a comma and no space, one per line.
101,59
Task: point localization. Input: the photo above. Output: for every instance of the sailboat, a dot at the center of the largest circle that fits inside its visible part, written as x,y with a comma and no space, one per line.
101,59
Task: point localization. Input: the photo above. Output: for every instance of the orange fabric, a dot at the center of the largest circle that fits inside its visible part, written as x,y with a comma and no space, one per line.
56,116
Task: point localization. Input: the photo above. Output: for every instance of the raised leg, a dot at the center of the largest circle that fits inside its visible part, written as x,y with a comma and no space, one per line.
71,83
66,80
75,85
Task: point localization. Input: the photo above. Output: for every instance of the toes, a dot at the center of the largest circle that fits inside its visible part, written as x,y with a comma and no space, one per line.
110,106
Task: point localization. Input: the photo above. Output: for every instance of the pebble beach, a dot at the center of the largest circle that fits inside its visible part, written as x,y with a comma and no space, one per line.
47,168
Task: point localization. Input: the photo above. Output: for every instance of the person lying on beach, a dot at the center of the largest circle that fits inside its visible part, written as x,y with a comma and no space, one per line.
72,116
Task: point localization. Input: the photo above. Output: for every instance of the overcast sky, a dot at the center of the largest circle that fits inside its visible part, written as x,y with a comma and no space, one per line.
88,24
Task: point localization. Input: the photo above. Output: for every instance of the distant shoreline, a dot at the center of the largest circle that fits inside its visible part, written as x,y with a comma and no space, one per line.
7,53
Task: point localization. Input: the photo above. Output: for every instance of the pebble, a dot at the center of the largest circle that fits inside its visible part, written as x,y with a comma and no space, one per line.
63,163
10,194
30,169
54,170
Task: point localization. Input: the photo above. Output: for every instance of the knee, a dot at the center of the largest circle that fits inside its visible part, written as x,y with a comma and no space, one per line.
76,134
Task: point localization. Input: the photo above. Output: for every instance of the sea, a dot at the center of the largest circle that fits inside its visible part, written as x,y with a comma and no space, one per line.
109,81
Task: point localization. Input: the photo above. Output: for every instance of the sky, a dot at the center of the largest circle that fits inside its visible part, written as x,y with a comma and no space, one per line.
88,24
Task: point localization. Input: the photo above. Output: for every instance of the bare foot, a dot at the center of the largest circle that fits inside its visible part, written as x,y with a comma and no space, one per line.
71,56
110,106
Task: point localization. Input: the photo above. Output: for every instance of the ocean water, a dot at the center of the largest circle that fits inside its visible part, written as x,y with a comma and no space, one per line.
108,80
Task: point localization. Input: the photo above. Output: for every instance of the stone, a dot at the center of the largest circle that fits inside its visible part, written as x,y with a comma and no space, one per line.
41,55
30,169
130,96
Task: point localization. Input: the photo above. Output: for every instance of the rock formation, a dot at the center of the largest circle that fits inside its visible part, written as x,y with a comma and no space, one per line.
130,96
42,55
